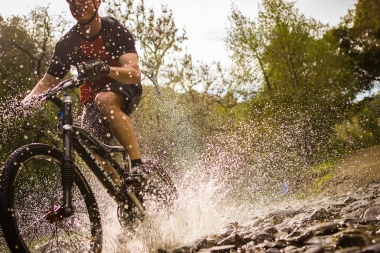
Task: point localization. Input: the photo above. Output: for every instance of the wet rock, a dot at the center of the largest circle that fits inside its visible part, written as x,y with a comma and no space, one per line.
298,238
314,249
192,246
320,240
372,213
360,204
349,250
271,230
346,224
320,214
264,237
234,238
327,228
372,249
350,238
219,249
272,250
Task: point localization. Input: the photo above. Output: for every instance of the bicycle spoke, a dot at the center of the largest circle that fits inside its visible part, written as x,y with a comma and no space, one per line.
38,220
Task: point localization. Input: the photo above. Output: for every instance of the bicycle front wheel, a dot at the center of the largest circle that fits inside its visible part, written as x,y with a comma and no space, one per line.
30,201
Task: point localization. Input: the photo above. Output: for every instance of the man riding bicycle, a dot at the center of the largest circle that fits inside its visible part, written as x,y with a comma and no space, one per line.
104,51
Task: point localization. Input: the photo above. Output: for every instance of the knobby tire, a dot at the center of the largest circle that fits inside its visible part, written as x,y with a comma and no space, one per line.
30,187
157,194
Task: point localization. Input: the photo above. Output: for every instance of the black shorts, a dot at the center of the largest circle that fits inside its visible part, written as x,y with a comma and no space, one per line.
132,93
96,124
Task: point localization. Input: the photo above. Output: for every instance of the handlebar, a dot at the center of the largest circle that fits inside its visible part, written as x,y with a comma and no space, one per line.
50,94
71,83
16,108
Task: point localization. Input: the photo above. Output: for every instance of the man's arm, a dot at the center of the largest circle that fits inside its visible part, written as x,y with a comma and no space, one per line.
47,82
129,72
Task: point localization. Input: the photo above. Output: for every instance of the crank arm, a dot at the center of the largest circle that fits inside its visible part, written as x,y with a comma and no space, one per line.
133,197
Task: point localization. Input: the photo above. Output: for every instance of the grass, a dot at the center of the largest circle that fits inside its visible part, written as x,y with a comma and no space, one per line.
319,175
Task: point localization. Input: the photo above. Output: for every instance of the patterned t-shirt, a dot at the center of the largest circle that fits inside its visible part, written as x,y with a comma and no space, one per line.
108,45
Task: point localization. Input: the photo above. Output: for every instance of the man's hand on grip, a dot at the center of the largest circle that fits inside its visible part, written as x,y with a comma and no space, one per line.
93,69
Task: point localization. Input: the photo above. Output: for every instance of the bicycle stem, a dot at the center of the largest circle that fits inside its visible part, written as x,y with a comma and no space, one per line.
67,160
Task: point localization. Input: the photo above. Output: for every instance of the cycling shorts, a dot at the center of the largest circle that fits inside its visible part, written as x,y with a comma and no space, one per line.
96,124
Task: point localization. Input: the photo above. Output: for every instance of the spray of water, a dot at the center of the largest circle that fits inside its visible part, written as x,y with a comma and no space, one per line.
221,178
198,211
226,178
217,188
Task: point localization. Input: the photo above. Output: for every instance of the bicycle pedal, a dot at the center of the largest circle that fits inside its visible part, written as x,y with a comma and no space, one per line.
137,175
134,181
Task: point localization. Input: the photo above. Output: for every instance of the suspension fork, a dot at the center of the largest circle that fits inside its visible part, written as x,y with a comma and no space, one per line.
67,168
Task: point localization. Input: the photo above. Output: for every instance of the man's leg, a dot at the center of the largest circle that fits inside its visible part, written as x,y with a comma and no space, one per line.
110,104
93,123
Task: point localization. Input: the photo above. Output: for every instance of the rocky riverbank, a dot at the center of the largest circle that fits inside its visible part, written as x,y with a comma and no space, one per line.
342,223
344,217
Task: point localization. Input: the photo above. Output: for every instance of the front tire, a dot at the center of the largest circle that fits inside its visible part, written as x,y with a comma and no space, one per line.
30,188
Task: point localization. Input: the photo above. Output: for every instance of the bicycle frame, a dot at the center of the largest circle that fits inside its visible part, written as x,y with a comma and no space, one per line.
77,139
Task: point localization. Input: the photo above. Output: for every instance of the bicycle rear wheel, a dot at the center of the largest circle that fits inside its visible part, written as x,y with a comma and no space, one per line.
155,191
30,201
159,192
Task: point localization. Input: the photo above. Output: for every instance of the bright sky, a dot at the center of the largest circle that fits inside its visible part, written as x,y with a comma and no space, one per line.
204,20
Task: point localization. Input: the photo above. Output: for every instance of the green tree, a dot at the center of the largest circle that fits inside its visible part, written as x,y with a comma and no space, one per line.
26,44
358,37
157,36
293,69
15,67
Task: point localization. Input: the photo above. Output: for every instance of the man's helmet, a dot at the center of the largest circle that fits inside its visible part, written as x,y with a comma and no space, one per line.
82,1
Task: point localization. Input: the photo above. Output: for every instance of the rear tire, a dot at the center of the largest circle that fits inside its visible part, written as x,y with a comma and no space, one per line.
159,192
156,193
30,188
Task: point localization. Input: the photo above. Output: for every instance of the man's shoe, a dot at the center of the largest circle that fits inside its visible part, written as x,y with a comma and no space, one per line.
139,169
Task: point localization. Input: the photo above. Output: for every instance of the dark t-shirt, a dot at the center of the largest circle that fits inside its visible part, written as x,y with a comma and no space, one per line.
108,45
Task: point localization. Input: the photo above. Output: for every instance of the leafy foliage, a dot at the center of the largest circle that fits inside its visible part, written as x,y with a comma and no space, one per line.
156,35
295,68
26,44
358,37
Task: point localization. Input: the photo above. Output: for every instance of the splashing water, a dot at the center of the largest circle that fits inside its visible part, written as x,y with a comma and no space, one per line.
228,180
198,211
225,179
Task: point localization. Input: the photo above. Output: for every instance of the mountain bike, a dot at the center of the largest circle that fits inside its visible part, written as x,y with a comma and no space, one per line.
46,202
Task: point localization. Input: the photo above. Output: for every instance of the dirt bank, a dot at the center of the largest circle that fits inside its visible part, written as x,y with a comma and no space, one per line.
354,171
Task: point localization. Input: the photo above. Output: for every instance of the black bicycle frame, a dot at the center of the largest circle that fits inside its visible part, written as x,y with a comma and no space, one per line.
76,138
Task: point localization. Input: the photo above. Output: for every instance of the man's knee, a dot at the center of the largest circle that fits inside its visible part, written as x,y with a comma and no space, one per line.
106,101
